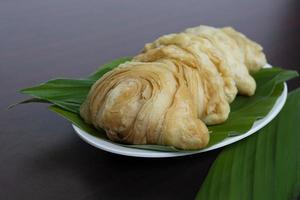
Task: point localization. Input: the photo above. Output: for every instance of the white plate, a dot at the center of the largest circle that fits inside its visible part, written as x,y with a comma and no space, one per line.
117,149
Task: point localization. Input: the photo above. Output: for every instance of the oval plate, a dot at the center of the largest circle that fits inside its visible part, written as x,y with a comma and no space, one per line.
127,151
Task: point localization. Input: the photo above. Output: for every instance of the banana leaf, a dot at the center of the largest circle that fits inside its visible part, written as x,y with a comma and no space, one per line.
68,94
263,166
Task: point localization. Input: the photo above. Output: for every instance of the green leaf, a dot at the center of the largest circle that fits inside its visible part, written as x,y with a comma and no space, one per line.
266,165
266,80
242,119
77,120
66,93
31,100
246,110
69,94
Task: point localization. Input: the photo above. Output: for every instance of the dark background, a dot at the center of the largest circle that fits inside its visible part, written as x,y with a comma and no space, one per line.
40,156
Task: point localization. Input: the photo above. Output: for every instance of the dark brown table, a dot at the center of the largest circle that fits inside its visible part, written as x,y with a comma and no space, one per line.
40,156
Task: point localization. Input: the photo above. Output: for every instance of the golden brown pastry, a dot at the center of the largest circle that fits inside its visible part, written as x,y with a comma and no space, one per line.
201,77
240,53
179,83
253,56
145,103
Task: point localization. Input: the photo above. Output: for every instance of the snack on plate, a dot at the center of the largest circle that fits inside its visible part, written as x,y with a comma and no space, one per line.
176,86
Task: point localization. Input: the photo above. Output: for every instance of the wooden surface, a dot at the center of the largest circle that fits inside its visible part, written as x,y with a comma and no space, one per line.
40,156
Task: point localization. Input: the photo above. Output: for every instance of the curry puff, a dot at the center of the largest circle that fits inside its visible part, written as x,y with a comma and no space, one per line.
173,89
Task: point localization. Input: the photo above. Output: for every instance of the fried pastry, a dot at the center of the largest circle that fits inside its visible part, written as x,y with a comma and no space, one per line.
176,86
